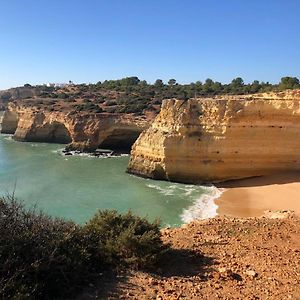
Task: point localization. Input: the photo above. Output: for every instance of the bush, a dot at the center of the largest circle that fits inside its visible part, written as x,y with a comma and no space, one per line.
38,255
111,109
62,96
111,103
43,257
125,239
99,100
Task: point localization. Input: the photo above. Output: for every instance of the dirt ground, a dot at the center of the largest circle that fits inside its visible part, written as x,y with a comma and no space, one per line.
220,258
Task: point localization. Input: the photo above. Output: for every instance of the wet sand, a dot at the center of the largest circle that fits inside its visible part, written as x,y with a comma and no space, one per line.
252,197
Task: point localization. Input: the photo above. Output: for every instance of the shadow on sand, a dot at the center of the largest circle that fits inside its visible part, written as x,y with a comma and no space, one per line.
278,178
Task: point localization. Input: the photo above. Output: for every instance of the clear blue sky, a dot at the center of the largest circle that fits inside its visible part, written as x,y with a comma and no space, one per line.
189,40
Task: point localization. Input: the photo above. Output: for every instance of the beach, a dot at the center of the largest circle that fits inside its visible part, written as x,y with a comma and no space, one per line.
253,196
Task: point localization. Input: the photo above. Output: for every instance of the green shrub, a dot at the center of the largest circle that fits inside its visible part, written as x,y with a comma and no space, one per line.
90,107
125,239
39,255
62,96
111,103
43,257
110,109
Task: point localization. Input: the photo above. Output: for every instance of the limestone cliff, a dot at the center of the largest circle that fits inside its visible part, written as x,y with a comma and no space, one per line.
9,122
221,139
84,131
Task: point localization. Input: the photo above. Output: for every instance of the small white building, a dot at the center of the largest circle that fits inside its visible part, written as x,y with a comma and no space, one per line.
59,85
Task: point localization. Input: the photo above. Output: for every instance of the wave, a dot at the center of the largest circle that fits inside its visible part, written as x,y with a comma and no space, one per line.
204,207
173,189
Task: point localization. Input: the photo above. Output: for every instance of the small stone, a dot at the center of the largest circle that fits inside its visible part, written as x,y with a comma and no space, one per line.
153,281
251,273
222,270
225,271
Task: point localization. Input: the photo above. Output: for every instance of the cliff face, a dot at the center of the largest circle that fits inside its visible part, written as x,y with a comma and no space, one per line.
9,122
85,132
220,139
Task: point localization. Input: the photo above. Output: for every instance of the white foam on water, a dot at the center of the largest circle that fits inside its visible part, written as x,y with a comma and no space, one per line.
173,189
203,207
8,137
59,151
168,190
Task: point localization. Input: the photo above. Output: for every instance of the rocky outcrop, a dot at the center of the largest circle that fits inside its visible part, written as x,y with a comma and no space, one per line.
84,131
220,139
20,93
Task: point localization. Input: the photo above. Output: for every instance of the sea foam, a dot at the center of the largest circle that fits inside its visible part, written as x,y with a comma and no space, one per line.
173,189
203,207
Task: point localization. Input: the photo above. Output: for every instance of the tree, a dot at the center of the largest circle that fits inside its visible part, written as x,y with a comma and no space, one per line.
143,83
255,86
216,87
209,82
237,82
27,85
158,83
236,85
207,86
134,80
172,82
289,83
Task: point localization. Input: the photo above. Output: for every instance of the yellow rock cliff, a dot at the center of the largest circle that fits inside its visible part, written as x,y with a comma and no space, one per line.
83,131
218,139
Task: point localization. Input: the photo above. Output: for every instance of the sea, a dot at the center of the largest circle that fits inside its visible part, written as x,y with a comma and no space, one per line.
75,187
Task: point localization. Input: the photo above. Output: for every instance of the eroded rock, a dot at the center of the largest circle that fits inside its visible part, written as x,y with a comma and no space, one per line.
222,138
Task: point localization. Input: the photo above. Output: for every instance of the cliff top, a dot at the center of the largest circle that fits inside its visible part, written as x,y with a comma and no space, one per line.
132,95
221,258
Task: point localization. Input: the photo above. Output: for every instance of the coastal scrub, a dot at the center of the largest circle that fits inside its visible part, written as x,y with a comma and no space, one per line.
44,257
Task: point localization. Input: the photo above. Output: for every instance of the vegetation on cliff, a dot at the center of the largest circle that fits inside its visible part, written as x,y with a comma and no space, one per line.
132,95
42,257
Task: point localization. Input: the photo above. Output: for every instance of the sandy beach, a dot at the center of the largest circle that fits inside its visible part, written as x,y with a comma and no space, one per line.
252,197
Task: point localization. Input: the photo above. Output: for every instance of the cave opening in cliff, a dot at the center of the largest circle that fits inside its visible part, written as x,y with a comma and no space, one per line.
120,139
59,134
54,132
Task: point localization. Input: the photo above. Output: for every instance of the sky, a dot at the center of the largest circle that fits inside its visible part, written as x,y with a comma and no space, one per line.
93,40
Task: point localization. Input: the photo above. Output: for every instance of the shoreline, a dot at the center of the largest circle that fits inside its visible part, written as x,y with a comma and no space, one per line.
252,197
242,198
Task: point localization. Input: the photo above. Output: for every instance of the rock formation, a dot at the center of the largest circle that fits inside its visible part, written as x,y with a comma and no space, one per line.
9,122
222,138
84,131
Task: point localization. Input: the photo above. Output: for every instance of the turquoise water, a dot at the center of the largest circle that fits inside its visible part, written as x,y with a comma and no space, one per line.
74,187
